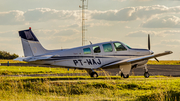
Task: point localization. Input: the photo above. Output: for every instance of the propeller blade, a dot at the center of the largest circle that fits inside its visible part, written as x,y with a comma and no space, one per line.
156,59
149,43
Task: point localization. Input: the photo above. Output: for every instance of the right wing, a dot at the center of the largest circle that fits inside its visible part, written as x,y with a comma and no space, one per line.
137,59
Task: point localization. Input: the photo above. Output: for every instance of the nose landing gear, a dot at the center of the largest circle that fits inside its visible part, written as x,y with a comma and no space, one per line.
94,74
146,74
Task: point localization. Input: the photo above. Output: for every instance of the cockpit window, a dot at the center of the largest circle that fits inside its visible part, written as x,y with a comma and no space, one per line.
127,46
96,49
87,51
107,47
119,47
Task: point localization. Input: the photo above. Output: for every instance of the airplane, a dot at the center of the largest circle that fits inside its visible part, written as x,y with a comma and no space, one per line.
105,55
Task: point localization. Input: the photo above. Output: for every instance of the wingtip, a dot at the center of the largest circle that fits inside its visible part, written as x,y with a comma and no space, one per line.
170,52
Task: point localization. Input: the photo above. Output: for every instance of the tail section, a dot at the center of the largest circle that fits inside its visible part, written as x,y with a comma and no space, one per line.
30,43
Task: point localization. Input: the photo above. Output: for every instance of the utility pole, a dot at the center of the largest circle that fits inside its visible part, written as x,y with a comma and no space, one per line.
84,6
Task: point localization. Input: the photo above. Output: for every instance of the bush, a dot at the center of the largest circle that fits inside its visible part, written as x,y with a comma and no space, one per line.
7,55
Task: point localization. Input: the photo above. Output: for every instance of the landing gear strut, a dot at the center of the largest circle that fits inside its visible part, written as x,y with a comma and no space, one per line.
146,74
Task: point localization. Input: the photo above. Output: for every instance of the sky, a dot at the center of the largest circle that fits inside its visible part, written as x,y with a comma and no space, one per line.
57,23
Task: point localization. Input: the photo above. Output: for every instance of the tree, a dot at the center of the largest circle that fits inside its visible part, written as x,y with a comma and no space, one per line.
7,55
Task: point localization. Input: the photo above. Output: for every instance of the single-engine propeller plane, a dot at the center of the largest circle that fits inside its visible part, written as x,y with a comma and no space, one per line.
113,54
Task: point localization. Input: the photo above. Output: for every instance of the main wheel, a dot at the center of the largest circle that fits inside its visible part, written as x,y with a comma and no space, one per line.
94,74
122,75
146,75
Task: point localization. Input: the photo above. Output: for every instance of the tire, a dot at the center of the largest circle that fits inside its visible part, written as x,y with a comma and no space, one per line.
146,75
94,74
122,75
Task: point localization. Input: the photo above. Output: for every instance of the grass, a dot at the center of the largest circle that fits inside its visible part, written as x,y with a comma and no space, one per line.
164,62
10,61
104,89
25,70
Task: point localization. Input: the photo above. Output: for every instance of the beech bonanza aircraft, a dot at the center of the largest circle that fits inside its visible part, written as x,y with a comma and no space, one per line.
113,54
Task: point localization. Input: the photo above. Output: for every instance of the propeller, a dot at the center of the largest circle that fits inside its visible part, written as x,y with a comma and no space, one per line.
149,46
149,43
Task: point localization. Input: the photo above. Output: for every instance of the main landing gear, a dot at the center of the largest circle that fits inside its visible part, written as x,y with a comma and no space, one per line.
124,76
92,73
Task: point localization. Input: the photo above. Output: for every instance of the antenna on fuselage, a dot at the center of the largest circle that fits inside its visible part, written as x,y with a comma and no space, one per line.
84,7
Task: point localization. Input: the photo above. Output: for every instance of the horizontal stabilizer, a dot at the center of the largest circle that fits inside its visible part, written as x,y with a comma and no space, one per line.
34,58
20,58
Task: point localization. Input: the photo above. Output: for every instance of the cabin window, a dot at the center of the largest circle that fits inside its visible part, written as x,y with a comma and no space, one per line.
119,47
96,49
87,51
107,47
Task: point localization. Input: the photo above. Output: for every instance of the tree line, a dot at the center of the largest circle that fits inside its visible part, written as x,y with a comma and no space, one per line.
7,55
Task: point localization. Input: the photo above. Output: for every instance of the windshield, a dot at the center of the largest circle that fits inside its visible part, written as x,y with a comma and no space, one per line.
127,46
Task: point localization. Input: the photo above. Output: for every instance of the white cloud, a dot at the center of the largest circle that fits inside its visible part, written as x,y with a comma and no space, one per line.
163,22
46,14
134,13
171,43
60,35
143,33
12,17
127,27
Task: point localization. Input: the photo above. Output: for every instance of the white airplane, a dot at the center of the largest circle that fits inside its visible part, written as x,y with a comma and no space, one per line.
113,54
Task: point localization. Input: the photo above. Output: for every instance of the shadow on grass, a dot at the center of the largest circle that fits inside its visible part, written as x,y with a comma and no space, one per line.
164,96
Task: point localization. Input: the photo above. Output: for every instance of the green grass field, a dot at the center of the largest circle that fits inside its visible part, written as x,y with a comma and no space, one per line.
25,70
84,88
87,89
10,61
164,62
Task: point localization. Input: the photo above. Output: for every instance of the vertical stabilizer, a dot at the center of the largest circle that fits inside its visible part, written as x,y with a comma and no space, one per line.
31,45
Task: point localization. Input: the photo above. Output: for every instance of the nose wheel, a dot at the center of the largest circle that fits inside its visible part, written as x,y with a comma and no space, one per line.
146,75
94,74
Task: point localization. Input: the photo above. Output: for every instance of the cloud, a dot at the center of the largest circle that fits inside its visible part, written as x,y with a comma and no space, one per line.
134,13
60,35
163,22
46,14
16,17
13,17
170,42
143,33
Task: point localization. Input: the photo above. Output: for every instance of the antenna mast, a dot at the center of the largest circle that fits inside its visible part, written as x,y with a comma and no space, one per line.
84,7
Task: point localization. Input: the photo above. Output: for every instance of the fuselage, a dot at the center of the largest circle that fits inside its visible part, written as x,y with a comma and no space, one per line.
94,56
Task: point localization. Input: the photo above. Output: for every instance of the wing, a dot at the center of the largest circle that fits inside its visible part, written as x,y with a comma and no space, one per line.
137,59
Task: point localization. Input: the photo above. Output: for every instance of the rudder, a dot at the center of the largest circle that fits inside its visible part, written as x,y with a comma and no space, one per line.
31,45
